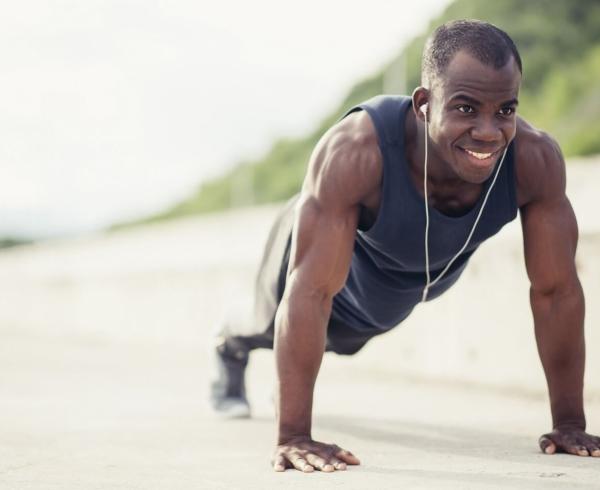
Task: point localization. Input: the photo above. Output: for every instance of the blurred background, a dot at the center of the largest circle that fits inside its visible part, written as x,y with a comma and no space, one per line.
147,147
121,112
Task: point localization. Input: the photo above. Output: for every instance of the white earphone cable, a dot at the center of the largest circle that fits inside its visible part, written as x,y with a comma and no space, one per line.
430,283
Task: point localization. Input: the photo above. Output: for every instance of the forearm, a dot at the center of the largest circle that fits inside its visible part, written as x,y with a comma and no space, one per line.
559,320
300,333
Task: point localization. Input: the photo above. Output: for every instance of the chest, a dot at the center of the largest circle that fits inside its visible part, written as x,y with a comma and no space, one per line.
449,201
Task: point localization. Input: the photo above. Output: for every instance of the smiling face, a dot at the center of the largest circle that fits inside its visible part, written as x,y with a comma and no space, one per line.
471,114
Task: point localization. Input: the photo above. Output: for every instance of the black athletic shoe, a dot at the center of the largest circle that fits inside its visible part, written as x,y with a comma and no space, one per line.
228,389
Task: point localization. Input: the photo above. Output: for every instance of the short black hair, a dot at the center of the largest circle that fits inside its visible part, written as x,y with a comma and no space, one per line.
484,41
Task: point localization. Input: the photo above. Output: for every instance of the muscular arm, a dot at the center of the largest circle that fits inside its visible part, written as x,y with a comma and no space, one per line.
557,302
344,168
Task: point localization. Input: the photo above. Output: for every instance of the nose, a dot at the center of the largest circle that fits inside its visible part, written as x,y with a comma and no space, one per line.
486,130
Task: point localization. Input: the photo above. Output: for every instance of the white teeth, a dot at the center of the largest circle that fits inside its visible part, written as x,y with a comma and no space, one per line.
479,156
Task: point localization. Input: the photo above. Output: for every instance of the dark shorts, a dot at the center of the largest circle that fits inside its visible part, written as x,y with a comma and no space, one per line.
270,285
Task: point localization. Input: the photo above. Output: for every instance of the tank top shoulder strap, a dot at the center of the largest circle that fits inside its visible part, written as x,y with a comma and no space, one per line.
387,113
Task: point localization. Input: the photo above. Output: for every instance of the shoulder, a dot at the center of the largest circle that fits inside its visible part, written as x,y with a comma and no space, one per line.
539,165
346,164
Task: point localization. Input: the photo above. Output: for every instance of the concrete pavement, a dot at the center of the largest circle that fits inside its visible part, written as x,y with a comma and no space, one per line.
85,413
103,370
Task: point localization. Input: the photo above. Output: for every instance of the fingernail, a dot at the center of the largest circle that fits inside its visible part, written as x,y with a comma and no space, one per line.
328,467
596,452
308,469
278,467
340,466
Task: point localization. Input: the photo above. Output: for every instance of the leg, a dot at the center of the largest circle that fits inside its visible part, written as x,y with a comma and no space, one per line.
269,286
235,340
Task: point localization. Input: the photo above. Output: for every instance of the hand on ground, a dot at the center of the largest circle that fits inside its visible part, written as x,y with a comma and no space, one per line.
307,455
570,440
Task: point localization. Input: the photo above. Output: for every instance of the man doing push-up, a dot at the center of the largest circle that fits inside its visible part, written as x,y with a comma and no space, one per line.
397,197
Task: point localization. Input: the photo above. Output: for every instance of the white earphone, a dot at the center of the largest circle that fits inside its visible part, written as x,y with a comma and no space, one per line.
429,282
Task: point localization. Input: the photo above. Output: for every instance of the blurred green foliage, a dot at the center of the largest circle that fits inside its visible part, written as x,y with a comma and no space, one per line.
559,42
13,242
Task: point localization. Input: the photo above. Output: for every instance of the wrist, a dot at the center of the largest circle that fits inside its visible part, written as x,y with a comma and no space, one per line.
289,438
574,424
293,426
567,411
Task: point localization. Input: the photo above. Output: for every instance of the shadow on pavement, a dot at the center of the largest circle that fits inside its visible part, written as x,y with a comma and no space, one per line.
446,440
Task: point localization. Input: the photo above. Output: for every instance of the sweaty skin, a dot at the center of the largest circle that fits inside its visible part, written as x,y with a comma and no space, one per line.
471,108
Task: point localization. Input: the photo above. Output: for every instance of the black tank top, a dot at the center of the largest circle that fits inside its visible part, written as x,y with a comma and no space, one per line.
387,271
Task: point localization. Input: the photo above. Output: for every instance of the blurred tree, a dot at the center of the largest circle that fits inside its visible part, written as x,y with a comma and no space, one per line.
559,42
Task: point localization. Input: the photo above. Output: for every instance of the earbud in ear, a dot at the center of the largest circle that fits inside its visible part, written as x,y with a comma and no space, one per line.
423,108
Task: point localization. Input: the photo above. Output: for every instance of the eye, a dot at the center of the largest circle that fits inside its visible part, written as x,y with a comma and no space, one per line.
507,111
465,109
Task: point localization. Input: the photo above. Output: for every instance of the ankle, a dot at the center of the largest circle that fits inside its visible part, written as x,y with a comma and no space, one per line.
233,348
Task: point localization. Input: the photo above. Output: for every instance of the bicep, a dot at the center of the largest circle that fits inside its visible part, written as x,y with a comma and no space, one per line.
344,168
550,241
322,245
549,224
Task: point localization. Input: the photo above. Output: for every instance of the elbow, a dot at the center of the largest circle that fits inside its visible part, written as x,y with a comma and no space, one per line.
303,313
304,302
557,289
307,294
565,294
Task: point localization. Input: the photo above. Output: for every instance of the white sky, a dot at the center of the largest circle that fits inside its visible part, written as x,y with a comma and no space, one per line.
114,109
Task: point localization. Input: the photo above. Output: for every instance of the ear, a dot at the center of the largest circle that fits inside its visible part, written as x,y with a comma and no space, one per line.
420,97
